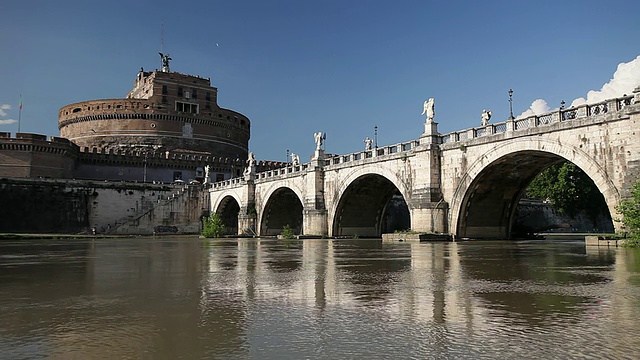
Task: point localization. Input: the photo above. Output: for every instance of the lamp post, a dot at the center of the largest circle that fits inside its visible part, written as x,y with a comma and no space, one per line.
287,161
511,104
375,136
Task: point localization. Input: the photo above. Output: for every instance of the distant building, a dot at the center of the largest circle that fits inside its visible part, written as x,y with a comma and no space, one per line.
168,128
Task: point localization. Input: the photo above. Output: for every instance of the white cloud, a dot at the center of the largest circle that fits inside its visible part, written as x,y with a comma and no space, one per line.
4,107
8,121
625,79
539,106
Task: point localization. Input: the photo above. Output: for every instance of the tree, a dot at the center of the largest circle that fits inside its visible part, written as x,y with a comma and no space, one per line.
568,189
213,227
630,211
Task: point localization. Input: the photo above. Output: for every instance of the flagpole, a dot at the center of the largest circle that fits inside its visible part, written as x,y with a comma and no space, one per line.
19,112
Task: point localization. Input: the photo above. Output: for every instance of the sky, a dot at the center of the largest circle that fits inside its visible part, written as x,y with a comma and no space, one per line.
296,67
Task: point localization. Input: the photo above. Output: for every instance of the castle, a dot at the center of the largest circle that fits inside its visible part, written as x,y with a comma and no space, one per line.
169,127
126,165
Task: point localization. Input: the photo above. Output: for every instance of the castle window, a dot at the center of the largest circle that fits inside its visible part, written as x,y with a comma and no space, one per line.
164,89
208,96
186,107
179,90
207,106
187,95
194,93
77,110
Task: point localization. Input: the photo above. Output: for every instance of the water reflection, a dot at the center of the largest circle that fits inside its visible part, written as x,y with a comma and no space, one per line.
263,298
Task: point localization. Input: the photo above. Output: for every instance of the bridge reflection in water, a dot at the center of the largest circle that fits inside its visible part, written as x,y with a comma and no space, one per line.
263,298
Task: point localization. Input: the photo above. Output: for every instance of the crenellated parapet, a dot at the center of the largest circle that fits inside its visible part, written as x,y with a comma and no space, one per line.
169,111
35,155
136,157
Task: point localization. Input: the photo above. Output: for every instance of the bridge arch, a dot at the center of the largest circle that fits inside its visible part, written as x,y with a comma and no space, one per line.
228,209
282,206
485,199
369,201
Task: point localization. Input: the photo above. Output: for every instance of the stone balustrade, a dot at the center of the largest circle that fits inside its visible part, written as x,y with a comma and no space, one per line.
534,121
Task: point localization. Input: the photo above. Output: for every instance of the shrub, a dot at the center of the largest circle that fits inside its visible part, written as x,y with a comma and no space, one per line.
630,211
213,227
287,233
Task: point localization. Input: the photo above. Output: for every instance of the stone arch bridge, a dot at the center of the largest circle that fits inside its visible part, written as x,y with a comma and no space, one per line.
466,183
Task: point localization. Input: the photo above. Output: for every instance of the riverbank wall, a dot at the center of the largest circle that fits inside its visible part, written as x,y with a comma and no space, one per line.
81,206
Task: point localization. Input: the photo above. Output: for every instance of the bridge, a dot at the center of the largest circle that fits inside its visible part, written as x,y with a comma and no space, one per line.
466,183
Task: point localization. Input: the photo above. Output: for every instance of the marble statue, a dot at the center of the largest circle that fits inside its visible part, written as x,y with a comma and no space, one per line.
251,165
207,174
318,138
367,143
486,115
295,159
429,109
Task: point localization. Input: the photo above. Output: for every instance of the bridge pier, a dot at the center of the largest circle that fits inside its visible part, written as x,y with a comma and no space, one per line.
247,221
315,222
427,206
247,217
314,214
430,219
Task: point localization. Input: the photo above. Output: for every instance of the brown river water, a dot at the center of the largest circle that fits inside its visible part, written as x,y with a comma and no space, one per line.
190,298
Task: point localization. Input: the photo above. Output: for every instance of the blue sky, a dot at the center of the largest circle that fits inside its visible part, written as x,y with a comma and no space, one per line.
297,67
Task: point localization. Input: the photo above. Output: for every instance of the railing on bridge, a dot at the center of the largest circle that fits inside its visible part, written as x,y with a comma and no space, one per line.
229,182
282,171
335,160
560,115
366,154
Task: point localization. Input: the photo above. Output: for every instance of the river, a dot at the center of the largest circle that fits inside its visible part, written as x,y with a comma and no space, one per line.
190,298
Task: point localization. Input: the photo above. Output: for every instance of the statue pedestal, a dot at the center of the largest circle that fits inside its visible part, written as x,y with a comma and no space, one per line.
318,155
430,134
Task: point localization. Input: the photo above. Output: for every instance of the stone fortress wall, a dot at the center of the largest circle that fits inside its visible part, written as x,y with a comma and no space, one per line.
170,111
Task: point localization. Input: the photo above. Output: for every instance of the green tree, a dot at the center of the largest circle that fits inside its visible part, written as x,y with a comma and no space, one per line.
568,189
630,211
213,227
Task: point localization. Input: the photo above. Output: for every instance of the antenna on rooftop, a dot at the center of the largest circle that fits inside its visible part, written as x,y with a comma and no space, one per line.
165,58
162,38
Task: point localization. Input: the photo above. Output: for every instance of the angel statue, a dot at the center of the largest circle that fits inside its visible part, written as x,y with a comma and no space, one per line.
165,61
251,161
295,159
207,174
318,138
486,115
429,109
367,143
